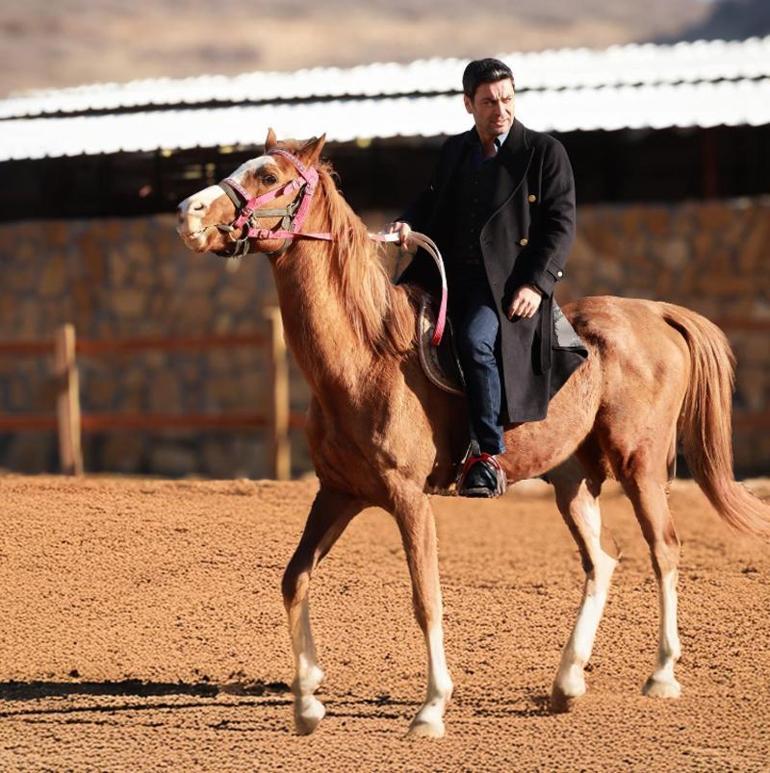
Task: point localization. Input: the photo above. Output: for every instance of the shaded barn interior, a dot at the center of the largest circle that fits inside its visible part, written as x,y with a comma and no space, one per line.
639,165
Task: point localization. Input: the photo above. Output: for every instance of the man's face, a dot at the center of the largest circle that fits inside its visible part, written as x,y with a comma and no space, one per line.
492,108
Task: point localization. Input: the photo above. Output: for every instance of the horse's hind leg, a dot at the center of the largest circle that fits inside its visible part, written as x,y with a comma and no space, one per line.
418,533
330,514
647,493
577,499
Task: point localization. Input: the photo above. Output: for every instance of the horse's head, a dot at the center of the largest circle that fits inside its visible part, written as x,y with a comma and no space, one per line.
251,209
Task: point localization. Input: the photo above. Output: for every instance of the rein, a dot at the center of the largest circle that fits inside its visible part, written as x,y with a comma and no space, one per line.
426,243
247,209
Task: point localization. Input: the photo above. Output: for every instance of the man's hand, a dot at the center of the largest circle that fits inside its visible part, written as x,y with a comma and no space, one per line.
403,230
526,301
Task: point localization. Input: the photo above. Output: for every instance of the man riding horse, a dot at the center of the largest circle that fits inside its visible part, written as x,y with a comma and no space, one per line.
501,207
381,434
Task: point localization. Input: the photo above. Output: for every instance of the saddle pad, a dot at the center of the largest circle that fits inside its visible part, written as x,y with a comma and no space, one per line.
565,335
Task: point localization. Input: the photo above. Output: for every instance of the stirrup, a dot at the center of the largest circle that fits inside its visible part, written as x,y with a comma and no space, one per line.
490,461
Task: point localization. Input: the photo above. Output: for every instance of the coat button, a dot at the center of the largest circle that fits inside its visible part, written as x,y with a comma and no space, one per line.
531,198
524,241
560,273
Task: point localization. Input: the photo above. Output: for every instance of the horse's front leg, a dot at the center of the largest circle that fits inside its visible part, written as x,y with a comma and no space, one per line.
330,514
418,533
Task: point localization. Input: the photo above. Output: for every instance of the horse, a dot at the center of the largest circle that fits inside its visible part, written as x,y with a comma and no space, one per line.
381,434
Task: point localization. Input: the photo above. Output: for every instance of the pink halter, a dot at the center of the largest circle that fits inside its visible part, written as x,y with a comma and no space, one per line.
247,210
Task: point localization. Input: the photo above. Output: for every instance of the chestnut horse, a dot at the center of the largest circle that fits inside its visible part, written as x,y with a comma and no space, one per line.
381,434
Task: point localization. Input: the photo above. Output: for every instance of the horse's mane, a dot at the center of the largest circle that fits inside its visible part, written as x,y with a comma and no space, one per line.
382,315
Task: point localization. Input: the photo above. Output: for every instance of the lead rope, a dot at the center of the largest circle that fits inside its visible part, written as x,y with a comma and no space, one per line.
427,244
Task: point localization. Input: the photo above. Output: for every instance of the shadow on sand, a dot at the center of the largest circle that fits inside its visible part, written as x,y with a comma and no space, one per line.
271,694
28,691
37,690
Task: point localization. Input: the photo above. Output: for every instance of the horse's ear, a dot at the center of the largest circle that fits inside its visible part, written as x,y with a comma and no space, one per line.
311,150
271,140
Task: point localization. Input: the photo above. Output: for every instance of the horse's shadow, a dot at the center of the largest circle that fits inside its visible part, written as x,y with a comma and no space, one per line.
384,707
538,706
13,691
270,694
35,690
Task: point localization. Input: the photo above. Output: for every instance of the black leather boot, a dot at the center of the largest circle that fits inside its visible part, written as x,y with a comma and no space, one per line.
482,476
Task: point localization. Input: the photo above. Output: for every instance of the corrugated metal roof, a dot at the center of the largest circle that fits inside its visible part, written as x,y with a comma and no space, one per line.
554,69
705,104
697,84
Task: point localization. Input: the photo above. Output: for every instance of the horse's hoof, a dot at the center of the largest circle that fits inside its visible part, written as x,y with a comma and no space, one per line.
654,688
421,729
563,699
561,703
308,714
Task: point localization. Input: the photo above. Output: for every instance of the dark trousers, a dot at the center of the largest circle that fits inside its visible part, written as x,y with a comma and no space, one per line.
478,330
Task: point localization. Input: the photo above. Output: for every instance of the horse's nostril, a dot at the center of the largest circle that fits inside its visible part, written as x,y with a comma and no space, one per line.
199,206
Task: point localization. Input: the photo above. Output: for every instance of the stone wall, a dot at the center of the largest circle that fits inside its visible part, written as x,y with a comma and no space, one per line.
115,278
118,278
711,257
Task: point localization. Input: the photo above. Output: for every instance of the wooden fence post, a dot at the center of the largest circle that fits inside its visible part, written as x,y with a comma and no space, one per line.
68,401
280,451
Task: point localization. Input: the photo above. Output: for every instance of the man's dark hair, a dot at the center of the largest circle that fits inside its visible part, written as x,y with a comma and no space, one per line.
484,71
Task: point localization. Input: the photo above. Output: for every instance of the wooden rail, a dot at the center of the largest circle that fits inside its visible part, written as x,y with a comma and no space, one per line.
70,424
68,401
278,420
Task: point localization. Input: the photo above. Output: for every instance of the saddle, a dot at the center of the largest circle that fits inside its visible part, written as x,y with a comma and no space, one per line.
441,363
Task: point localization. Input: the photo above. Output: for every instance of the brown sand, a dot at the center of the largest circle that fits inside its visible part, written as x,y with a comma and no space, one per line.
175,586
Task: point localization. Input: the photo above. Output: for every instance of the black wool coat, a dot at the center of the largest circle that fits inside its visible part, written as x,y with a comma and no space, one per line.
525,240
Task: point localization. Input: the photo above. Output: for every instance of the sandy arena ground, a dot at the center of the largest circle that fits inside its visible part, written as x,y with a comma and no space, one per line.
143,629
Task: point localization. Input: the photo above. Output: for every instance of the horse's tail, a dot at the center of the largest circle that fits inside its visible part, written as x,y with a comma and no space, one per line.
705,424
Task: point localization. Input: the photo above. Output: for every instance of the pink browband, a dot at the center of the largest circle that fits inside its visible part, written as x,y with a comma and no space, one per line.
306,185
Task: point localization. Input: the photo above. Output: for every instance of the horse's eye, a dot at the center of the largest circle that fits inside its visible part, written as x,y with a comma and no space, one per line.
270,179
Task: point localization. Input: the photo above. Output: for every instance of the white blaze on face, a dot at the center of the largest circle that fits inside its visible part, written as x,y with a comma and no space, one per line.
250,167
194,208
191,207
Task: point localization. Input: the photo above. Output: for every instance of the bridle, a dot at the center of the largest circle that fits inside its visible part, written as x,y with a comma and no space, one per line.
247,210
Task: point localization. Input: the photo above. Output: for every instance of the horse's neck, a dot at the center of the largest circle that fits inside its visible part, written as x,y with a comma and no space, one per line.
318,328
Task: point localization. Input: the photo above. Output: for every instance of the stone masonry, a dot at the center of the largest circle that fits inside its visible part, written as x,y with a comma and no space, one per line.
114,278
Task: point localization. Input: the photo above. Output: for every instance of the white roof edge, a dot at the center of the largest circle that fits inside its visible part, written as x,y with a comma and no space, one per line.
731,103
618,65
